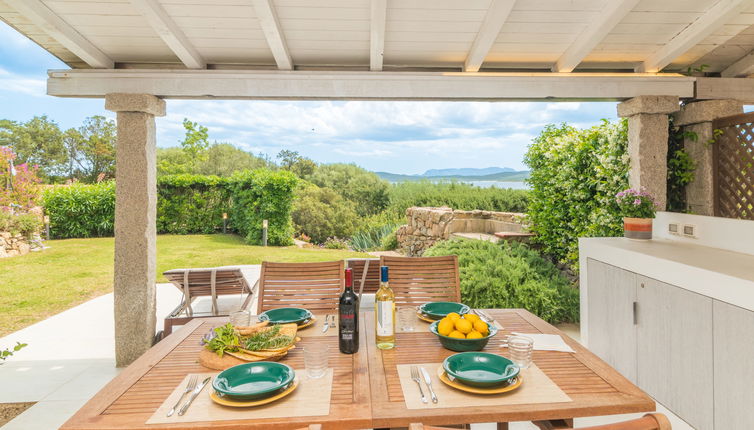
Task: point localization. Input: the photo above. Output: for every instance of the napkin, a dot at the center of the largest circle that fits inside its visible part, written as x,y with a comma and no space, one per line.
547,342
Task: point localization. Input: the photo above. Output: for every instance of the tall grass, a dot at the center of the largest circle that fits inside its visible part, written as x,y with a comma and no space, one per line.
371,238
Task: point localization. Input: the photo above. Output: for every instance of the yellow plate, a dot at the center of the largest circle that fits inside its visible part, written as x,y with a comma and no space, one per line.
245,404
423,318
476,390
310,323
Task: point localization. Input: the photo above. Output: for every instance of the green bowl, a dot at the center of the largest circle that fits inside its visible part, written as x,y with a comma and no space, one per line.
251,381
461,345
480,369
438,310
285,315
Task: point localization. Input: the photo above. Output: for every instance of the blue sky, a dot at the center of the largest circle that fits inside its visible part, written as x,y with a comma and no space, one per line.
400,137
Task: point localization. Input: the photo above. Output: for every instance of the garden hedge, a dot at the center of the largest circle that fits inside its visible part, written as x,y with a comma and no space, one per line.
575,175
185,204
511,275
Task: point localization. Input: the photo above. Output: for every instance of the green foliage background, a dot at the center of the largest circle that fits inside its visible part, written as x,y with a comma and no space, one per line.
575,175
511,275
322,213
185,204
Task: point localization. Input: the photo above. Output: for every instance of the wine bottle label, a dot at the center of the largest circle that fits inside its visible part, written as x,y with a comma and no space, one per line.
385,318
347,324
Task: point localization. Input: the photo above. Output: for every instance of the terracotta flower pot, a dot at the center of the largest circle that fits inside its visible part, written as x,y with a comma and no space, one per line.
637,228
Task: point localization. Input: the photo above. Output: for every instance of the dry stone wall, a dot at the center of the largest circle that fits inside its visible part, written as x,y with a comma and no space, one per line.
427,225
13,245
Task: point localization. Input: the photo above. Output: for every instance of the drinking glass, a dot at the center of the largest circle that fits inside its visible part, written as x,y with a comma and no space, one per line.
520,348
316,356
406,319
240,318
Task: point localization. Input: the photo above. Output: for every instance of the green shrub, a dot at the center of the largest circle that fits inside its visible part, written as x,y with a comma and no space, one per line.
371,238
456,195
367,191
320,213
575,175
335,243
263,194
390,242
26,224
191,203
511,275
80,210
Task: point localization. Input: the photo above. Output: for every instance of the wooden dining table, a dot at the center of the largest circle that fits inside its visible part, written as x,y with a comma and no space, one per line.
366,391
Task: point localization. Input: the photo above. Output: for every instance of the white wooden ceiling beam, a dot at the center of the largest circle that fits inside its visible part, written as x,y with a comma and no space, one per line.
717,16
378,16
494,20
593,34
273,32
170,33
742,67
366,85
44,18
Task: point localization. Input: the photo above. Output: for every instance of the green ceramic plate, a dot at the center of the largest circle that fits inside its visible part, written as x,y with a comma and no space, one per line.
285,315
251,381
455,344
437,310
480,369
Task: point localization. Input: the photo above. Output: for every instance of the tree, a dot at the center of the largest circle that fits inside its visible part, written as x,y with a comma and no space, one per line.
37,142
367,191
95,148
196,141
321,213
293,161
223,159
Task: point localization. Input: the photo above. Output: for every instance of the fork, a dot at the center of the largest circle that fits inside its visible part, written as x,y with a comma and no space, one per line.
327,323
332,323
189,388
415,378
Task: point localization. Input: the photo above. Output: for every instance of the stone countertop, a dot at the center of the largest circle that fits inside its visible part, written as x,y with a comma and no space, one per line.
723,275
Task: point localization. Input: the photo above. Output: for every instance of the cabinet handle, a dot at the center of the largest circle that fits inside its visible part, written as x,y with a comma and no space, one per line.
636,313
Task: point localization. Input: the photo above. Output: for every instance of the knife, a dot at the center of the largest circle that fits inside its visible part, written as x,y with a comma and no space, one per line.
429,384
327,323
193,396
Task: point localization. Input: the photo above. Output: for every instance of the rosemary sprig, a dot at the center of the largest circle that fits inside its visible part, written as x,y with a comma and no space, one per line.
269,339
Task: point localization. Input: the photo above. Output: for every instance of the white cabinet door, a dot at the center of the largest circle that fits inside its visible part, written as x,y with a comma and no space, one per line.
674,339
611,332
734,367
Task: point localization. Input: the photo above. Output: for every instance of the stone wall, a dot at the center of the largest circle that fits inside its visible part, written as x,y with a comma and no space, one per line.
13,245
425,226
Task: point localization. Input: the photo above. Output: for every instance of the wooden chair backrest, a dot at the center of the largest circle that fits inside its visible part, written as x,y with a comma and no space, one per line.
653,421
227,281
372,279
314,286
417,280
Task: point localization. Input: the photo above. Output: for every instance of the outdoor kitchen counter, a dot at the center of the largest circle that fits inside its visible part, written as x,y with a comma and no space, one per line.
720,274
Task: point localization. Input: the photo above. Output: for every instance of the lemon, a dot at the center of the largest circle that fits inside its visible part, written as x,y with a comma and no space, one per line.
481,327
464,326
471,317
474,335
445,326
457,334
453,316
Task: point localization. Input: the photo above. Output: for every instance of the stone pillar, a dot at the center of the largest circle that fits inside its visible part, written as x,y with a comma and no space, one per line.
648,143
697,118
135,222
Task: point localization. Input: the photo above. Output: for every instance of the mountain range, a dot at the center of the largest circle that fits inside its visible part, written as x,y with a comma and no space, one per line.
461,174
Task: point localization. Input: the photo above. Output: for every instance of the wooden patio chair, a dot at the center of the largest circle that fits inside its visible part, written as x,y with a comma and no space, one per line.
210,282
418,280
314,286
366,274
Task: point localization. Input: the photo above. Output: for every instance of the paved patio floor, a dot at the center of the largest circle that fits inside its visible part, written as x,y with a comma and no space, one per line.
71,356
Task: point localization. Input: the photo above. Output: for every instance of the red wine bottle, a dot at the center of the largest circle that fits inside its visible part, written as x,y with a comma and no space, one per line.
348,318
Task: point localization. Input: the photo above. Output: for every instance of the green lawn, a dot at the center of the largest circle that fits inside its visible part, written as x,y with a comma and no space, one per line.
72,271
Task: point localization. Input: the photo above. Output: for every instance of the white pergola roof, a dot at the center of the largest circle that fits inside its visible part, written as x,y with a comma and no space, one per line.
529,35
485,37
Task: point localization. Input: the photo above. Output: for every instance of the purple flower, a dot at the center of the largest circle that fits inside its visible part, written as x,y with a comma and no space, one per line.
637,202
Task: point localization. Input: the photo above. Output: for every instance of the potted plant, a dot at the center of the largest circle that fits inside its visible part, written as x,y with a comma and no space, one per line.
638,209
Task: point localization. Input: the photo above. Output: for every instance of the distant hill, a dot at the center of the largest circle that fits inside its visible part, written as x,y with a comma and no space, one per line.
468,171
511,176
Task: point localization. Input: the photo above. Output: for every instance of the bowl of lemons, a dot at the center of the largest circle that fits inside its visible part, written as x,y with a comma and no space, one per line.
463,333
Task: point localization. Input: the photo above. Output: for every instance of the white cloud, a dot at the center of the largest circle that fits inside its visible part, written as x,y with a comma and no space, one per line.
12,82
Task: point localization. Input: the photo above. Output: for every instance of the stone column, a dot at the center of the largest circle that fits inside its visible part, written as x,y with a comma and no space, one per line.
135,227
648,143
697,117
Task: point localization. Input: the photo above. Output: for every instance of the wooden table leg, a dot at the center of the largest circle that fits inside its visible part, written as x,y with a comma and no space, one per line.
502,426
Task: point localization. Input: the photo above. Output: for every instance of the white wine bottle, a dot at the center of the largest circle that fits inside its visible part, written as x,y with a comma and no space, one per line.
384,302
